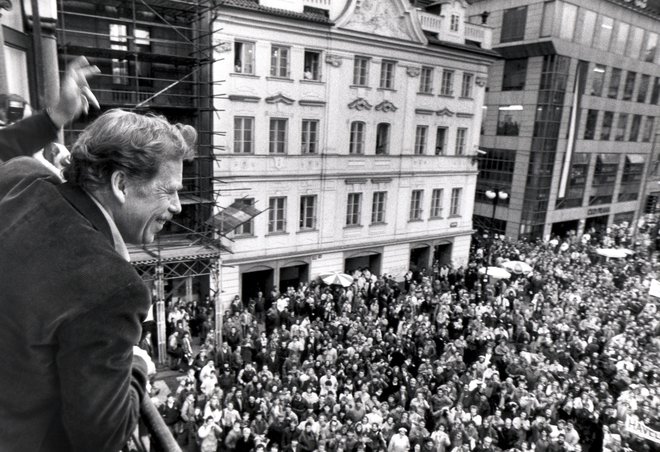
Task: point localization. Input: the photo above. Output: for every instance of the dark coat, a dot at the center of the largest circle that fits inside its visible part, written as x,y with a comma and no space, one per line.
72,309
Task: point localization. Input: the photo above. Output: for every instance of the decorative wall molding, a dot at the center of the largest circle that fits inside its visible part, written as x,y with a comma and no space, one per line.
464,115
355,181
424,111
444,112
413,71
280,98
311,103
381,180
360,104
386,106
480,81
333,60
223,47
242,98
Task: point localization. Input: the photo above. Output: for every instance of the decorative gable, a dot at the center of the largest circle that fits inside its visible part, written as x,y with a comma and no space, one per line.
360,104
444,112
386,106
389,18
279,98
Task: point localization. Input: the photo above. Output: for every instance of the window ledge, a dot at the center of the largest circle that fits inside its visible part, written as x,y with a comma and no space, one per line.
454,216
386,89
353,226
435,218
448,96
378,223
360,86
420,93
302,231
281,79
244,236
277,233
243,74
312,81
415,220
466,98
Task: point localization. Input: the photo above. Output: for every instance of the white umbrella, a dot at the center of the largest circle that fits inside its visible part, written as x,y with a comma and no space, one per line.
611,252
338,278
517,267
627,251
498,273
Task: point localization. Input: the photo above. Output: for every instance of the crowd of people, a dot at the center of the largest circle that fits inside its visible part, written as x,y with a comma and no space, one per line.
561,358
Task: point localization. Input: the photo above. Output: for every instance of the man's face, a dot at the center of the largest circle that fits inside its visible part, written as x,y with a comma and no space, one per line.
148,206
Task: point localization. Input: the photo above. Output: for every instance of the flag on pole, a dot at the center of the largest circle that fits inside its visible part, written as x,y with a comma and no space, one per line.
233,216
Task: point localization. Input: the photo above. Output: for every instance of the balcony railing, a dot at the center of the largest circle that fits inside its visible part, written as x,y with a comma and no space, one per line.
479,33
324,4
431,22
472,32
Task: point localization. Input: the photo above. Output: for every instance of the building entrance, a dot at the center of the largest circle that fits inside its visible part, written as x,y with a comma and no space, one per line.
370,261
419,258
442,254
562,228
598,223
293,276
254,282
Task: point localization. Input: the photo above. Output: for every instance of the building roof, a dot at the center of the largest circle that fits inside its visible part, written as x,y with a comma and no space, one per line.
308,15
473,48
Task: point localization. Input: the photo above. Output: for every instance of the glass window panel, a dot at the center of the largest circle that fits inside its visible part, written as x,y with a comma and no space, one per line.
619,43
635,39
615,81
629,86
513,24
621,127
650,47
604,32
568,19
586,24
590,124
606,128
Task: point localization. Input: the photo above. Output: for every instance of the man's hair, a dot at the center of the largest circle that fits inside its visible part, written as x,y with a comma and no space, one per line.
129,142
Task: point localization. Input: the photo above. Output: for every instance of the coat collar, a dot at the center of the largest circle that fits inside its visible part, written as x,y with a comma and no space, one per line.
81,201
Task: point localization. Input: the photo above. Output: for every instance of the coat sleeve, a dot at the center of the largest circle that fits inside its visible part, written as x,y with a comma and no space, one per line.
27,136
102,383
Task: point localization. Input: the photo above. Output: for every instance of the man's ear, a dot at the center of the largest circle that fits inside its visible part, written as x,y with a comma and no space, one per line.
118,183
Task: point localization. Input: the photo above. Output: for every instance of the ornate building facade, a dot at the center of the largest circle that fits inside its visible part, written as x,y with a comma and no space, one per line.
354,125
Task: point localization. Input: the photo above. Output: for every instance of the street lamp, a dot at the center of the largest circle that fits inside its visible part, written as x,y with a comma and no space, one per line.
495,196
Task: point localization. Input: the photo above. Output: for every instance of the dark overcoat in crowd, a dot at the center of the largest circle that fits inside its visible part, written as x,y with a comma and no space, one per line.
72,309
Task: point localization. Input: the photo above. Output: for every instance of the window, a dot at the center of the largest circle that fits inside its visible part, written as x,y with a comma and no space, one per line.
387,74
353,207
648,53
382,138
246,228
597,80
309,142
635,125
440,140
436,203
604,178
312,65
466,86
361,71
277,214
278,136
655,93
461,140
631,178
426,80
455,205
619,43
513,24
584,30
621,127
119,41
307,212
635,40
643,88
447,86
144,71
244,57
590,125
420,139
567,22
455,21
615,81
357,138
509,118
548,21
378,207
606,129
515,73
603,32
279,61
647,133
416,205
243,135
577,182
629,86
